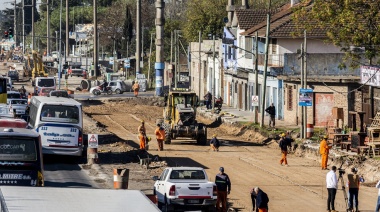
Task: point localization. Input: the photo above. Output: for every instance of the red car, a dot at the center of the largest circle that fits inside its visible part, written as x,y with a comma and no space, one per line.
45,91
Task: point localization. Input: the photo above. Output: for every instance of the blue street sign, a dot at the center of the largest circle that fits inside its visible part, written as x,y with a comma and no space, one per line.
305,97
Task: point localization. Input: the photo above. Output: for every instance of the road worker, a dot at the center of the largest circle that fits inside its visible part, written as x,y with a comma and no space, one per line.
223,185
143,140
214,143
136,88
141,128
324,151
160,136
284,144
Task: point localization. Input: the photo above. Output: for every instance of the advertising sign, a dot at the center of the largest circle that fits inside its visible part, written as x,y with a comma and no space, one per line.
93,140
111,60
306,97
127,63
370,75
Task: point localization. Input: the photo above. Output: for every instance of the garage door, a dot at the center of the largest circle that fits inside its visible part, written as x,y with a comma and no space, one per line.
324,102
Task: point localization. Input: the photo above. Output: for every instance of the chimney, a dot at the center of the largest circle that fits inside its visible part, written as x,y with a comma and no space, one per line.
244,4
294,2
230,10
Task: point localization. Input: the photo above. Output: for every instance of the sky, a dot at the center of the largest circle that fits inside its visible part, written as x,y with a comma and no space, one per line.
7,3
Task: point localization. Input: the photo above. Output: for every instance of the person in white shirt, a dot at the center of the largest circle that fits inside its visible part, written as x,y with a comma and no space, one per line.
332,185
378,197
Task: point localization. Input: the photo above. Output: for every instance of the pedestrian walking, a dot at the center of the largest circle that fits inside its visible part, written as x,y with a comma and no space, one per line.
253,199
160,136
136,88
378,197
353,189
271,110
332,185
284,144
262,200
223,185
324,151
214,143
208,100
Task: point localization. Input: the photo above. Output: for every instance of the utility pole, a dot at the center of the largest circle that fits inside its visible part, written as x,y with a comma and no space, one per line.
60,48
67,29
150,55
175,59
33,24
256,75
213,72
171,48
47,28
302,87
15,25
305,81
23,27
138,36
96,56
159,65
200,64
265,67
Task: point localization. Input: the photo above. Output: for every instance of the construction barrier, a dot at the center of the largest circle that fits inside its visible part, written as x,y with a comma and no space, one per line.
309,130
120,178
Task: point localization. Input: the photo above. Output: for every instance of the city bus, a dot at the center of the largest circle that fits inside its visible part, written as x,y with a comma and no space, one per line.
59,122
3,90
20,157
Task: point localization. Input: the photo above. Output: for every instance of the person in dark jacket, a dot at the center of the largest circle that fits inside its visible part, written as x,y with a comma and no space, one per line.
253,198
284,144
208,100
214,143
223,185
261,200
271,110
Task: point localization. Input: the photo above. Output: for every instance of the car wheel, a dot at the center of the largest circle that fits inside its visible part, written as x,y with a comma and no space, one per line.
117,91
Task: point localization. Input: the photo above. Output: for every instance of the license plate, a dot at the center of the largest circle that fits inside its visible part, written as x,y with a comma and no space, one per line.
193,201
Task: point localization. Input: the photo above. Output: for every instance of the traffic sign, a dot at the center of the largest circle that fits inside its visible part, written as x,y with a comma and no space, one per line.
255,101
93,140
127,63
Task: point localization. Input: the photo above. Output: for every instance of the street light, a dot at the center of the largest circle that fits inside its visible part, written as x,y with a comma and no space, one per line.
256,77
86,53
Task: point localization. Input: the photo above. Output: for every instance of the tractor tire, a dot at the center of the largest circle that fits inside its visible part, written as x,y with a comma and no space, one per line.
168,133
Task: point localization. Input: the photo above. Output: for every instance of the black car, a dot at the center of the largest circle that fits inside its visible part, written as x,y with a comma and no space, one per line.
13,74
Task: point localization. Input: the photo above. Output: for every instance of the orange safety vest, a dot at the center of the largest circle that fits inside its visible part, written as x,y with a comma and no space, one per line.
160,133
323,147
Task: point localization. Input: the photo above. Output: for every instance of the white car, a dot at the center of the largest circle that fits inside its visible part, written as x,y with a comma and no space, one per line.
17,106
185,186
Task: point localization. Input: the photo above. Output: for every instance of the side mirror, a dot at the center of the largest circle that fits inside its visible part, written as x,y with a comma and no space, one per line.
155,178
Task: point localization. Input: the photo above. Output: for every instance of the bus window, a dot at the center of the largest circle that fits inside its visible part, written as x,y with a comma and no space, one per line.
60,113
13,149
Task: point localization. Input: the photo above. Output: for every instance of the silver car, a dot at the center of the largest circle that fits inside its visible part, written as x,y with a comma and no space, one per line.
17,106
118,86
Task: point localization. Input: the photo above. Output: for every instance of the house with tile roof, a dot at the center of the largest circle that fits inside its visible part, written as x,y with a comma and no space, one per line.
332,83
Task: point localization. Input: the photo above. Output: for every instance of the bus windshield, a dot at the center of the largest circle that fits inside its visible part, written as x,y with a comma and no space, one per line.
60,113
45,83
16,149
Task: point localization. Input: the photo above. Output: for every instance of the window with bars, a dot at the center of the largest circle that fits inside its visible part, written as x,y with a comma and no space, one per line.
290,97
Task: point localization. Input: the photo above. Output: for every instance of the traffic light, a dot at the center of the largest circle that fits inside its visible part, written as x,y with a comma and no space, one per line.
6,34
10,32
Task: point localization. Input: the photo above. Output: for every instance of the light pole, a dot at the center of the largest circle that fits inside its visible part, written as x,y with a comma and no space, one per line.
86,53
113,53
254,61
56,41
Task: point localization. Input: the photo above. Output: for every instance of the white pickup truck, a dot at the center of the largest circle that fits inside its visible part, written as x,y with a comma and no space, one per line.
185,186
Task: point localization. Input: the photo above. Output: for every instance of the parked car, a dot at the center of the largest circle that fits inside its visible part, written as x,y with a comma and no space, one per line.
118,86
14,75
17,106
185,186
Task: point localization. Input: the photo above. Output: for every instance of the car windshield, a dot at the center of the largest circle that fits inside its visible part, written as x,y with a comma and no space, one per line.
187,174
60,113
16,149
13,96
12,72
19,102
46,83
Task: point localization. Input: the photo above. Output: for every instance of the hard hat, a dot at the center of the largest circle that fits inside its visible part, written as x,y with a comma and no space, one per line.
214,136
142,121
282,135
325,136
221,169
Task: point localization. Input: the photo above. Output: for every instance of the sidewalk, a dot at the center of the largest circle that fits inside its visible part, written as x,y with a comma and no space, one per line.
232,115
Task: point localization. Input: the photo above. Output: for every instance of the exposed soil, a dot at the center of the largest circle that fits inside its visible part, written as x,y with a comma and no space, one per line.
248,162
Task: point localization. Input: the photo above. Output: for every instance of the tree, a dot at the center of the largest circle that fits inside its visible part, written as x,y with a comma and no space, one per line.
351,25
206,16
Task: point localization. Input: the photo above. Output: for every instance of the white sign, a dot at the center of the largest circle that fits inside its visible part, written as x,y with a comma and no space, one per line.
93,140
255,101
370,75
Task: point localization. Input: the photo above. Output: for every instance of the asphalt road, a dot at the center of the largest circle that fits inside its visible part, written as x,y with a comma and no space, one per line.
63,171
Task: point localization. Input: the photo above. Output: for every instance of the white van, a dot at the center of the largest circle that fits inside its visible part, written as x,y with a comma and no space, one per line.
59,122
44,82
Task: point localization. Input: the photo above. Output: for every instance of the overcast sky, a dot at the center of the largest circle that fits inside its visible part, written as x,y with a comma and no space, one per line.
7,3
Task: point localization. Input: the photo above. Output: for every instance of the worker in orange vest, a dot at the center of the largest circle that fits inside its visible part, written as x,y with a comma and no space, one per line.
136,88
160,136
324,148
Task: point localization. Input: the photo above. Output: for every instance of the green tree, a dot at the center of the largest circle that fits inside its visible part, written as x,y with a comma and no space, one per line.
348,24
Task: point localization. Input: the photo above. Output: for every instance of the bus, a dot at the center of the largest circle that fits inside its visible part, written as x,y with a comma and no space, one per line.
59,122
20,158
3,90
